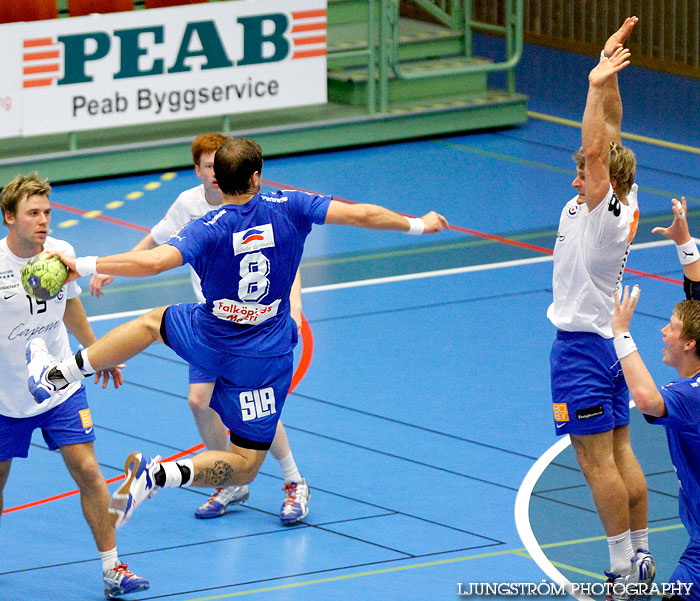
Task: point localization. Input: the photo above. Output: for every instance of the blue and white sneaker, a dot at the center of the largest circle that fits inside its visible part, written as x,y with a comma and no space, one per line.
120,581
220,499
39,363
296,502
642,572
645,564
138,486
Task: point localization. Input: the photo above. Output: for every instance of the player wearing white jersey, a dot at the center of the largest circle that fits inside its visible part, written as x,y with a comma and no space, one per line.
192,204
590,398
64,418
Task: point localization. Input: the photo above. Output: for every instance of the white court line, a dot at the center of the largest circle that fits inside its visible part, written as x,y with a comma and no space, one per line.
403,278
522,514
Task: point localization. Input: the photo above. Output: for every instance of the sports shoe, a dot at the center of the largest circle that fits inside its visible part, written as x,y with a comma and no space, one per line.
296,502
647,570
642,572
220,499
39,363
138,486
120,581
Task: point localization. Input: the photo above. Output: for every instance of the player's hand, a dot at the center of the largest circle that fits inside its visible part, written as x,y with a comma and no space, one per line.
295,312
609,66
68,261
619,37
115,372
678,230
624,310
434,223
97,282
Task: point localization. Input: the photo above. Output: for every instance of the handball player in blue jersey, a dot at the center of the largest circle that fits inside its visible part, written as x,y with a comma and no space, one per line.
246,254
675,406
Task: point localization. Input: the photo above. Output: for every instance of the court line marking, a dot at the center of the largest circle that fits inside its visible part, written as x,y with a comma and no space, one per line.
628,136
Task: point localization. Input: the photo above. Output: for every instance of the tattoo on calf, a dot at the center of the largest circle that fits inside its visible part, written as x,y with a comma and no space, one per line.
220,474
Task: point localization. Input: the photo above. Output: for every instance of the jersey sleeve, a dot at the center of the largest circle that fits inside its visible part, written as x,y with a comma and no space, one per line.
306,208
194,239
681,398
175,217
611,222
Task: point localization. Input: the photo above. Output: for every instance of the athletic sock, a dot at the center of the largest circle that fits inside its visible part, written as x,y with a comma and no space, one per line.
621,552
290,472
109,559
640,539
175,473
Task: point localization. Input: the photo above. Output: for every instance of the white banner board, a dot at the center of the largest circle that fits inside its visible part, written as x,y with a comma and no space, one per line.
148,66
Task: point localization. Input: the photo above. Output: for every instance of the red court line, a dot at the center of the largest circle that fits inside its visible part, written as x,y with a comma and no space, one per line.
501,239
304,362
102,217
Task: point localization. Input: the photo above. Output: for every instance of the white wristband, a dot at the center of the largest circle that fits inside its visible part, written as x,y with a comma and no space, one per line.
688,252
416,226
86,266
624,345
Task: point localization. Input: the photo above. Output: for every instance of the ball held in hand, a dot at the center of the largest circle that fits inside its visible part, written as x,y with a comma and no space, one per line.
43,277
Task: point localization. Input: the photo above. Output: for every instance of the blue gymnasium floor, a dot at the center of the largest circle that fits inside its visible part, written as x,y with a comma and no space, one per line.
426,403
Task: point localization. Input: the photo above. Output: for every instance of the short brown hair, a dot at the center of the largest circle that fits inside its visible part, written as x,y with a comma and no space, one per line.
23,186
623,165
688,311
206,143
234,164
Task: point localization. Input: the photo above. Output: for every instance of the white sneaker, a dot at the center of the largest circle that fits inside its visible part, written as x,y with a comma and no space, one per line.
39,364
120,581
220,499
138,486
296,502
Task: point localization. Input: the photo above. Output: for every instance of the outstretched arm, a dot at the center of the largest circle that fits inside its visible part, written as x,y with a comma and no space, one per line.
135,263
641,385
374,217
612,102
97,282
679,232
594,133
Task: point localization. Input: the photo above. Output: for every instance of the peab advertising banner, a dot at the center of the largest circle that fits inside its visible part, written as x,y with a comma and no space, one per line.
157,65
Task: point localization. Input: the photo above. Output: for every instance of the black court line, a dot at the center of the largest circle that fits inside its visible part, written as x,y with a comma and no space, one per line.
571,151
558,502
422,428
430,305
573,486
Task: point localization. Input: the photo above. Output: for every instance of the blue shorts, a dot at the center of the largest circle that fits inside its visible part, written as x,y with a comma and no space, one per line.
67,423
688,570
249,392
589,393
198,376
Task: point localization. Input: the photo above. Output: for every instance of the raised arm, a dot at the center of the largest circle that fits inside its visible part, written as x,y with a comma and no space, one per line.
641,385
612,102
594,133
374,217
687,250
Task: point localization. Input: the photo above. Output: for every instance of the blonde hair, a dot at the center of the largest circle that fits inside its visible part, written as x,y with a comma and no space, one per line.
688,311
622,166
23,186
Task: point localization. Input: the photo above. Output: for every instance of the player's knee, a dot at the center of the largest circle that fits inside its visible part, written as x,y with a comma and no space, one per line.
88,475
198,402
151,322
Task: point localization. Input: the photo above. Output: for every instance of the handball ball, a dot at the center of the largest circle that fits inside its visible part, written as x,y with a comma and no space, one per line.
43,277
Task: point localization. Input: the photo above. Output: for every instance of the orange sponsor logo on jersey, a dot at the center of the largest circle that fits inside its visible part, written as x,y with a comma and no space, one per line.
633,226
86,418
561,412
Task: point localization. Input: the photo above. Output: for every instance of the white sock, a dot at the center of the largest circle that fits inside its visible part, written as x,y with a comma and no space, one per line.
640,539
290,472
621,552
109,559
173,474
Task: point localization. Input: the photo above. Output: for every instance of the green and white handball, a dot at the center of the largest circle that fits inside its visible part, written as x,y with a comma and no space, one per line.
43,277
